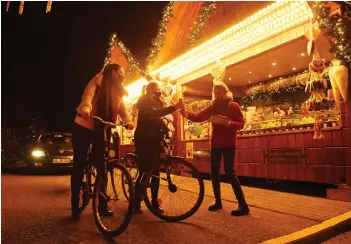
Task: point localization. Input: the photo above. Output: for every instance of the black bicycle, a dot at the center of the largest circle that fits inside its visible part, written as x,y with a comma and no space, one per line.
181,190
108,190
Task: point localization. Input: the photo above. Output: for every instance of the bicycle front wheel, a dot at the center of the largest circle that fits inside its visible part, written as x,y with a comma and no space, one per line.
85,189
176,186
108,194
130,162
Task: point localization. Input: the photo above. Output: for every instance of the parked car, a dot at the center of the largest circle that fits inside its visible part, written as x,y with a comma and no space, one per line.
11,152
52,150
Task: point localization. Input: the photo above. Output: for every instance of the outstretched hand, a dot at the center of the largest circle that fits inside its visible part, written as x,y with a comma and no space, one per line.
178,105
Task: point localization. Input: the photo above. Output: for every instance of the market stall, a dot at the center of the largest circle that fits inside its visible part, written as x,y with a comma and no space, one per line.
296,129
293,93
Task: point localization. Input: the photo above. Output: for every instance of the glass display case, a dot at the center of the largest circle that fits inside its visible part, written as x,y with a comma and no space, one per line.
283,113
192,130
127,137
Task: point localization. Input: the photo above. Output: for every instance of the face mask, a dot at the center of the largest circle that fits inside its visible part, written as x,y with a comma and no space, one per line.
119,79
157,94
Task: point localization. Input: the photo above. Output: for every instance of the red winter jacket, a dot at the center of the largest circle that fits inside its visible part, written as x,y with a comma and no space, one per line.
222,136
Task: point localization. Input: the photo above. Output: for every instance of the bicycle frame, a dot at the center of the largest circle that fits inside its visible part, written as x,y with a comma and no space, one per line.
107,140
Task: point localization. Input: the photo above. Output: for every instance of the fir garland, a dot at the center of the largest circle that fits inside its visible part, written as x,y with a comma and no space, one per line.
132,63
249,96
160,39
267,95
337,27
206,10
111,43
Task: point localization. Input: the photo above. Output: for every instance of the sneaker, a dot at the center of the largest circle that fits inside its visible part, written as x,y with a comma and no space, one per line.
241,210
215,206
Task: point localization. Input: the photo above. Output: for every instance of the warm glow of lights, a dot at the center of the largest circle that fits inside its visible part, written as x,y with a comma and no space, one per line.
270,76
249,81
250,72
135,89
274,64
302,54
294,68
266,23
230,78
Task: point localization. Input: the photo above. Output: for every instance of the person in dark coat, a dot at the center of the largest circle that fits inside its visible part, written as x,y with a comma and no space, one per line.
148,136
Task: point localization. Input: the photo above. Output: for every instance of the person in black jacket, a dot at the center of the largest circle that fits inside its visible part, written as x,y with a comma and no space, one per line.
147,137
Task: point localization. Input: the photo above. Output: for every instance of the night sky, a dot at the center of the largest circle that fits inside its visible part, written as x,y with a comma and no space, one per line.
47,59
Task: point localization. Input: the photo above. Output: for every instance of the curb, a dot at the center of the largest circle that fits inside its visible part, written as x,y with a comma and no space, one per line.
317,233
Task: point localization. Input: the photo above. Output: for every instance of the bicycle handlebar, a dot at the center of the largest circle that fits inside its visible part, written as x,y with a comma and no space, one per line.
110,124
105,122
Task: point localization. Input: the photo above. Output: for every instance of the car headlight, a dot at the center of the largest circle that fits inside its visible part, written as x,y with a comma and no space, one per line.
38,153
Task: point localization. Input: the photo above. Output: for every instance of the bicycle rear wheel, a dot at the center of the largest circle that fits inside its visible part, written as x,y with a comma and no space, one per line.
181,190
110,193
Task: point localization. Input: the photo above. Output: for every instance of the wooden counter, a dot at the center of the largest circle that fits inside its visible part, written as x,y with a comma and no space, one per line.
324,161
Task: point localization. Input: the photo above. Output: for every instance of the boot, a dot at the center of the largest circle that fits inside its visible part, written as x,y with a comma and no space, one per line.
138,196
217,193
76,182
242,209
137,210
137,205
103,207
104,210
216,205
155,185
75,212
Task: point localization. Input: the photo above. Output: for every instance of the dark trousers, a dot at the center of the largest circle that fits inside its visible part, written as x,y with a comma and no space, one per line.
228,156
81,140
147,155
154,185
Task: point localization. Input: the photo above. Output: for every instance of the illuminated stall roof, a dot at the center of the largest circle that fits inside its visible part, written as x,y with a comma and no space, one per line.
283,60
267,24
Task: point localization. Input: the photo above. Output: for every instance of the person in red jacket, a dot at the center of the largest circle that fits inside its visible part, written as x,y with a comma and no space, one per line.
223,142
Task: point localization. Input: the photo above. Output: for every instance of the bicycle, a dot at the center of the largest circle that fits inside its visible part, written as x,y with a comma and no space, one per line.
170,167
95,187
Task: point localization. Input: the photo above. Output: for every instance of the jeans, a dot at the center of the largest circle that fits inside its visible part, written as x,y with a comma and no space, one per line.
228,156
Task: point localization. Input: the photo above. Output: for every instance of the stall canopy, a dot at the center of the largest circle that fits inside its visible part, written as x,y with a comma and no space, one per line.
273,26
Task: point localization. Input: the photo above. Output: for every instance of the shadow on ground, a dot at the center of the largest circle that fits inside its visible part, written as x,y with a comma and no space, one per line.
300,188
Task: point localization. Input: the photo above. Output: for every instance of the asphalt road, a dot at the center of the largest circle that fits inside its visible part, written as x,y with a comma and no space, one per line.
36,209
